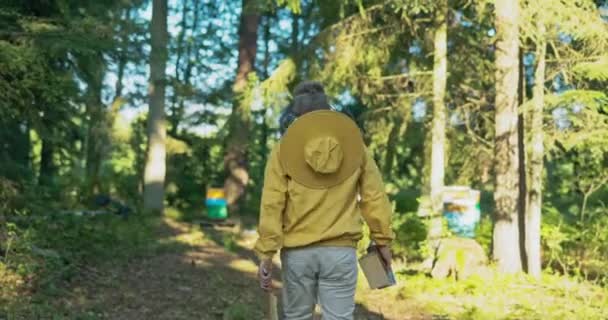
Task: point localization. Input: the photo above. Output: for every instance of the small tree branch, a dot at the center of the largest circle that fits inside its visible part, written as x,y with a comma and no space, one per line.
401,76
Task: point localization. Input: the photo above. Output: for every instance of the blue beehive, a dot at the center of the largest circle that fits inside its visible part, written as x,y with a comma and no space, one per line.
461,210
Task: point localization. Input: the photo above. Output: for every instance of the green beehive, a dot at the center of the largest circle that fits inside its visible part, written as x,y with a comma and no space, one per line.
217,207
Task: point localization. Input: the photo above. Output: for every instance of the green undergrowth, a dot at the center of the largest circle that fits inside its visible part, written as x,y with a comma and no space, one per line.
44,254
189,214
495,296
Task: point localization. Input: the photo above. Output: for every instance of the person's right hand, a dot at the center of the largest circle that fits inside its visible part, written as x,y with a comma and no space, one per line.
386,255
265,275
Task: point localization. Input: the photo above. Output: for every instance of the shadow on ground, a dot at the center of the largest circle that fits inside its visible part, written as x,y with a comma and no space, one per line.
185,276
186,273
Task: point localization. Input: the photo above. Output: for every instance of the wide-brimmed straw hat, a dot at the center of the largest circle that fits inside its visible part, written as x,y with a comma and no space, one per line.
321,149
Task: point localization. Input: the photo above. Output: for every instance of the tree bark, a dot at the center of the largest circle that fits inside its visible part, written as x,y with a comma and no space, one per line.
268,21
438,124
534,213
295,32
506,193
235,159
439,113
26,147
154,173
48,170
521,147
248,36
122,64
96,128
266,70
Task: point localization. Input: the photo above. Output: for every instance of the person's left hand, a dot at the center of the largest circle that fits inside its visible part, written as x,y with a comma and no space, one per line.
265,275
387,257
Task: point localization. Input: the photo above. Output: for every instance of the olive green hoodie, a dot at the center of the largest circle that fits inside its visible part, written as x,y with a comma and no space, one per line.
292,215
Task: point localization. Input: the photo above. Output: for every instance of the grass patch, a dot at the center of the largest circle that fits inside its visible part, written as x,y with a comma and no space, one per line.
495,296
189,214
238,311
229,242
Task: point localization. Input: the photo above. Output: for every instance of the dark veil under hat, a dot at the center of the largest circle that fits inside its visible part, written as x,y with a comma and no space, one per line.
308,96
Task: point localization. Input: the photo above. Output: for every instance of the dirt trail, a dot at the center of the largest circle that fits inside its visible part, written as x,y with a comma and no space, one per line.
195,277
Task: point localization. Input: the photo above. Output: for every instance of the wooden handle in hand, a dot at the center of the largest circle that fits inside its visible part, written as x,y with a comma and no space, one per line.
273,312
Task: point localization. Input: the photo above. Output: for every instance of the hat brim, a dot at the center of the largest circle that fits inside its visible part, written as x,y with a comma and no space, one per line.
314,125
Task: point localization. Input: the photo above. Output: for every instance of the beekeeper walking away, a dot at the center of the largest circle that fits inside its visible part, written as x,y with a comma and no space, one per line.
320,184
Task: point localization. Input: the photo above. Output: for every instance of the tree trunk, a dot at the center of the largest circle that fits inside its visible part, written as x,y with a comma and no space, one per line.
26,147
268,21
439,113
186,78
178,83
123,56
295,33
96,129
122,64
18,146
506,193
235,159
154,173
248,36
48,169
521,147
533,218
118,100
93,155
437,170
584,206
265,68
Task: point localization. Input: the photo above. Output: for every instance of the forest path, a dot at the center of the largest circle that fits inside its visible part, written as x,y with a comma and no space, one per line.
206,273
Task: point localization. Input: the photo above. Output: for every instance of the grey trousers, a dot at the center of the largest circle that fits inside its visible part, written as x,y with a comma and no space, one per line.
326,273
